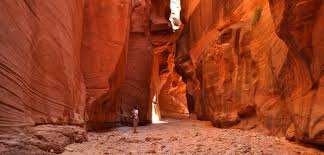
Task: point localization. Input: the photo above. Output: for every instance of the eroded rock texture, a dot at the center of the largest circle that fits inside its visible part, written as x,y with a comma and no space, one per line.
300,24
172,98
40,77
167,86
43,139
247,58
242,63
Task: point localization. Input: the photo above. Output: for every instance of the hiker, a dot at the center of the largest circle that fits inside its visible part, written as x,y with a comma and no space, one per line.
135,118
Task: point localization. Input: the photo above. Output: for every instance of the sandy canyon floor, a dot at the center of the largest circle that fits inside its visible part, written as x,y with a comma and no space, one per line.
185,137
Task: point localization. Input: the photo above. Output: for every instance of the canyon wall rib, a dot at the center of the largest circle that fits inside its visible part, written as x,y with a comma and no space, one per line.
135,88
103,56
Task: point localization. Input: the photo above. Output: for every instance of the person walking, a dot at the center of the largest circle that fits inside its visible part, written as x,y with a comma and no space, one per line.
135,118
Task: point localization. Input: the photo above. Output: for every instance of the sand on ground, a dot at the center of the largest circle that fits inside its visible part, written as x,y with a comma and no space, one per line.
187,136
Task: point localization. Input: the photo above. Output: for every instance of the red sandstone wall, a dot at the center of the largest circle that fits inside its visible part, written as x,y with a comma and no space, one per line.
40,81
70,61
166,84
136,87
103,57
272,69
172,98
115,60
300,24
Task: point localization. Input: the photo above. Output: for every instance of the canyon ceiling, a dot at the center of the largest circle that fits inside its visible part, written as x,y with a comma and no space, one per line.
246,63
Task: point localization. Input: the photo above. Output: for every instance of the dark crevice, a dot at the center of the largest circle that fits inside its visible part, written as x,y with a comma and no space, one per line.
31,9
190,102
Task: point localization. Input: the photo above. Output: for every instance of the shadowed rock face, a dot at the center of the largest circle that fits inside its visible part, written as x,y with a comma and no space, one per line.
136,86
41,81
242,63
172,98
83,69
237,64
103,57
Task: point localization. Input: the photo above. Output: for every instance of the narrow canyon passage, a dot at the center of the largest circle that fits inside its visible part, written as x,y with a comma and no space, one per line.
236,76
185,136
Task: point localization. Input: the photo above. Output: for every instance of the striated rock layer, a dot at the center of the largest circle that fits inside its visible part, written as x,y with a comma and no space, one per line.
40,81
300,24
260,58
250,64
93,66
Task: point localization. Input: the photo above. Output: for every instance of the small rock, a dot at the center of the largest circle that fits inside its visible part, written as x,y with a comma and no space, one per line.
200,145
68,149
172,138
151,151
149,139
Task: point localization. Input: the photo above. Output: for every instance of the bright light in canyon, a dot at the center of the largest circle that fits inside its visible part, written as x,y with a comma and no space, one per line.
175,14
155,116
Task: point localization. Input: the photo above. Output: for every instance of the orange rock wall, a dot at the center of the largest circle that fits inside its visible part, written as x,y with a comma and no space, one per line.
166,84
243,63
172,98
237,65
103,57
101,60
136,86
41,80
300,24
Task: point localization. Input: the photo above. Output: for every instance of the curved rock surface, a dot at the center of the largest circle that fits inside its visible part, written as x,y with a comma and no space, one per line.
166,84
238,63
172,98
301,79
256,58
40,81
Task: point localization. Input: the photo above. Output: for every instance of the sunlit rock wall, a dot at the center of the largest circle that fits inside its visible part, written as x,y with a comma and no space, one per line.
246,59
300,24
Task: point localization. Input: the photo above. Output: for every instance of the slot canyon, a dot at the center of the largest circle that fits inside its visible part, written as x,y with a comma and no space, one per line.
208,76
